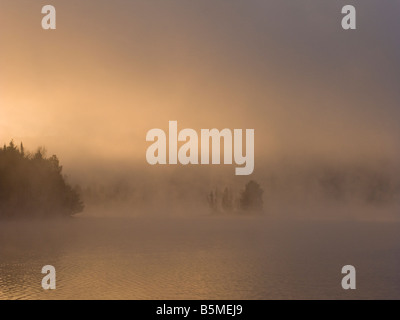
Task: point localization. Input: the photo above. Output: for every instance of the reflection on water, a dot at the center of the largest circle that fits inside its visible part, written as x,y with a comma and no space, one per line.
199,258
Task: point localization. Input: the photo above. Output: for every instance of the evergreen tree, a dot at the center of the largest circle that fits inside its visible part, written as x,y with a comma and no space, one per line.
227,200
251,197
33,185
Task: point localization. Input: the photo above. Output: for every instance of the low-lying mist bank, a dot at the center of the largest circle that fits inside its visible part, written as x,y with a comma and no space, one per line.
323,190
288,187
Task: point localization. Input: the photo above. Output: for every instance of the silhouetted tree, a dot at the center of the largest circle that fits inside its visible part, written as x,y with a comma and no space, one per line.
212,201
33,185
251,197
227,200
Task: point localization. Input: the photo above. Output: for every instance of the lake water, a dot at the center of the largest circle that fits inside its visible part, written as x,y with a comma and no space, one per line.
199,258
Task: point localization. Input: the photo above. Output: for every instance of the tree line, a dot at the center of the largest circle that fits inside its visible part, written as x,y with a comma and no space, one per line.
32,185
248,201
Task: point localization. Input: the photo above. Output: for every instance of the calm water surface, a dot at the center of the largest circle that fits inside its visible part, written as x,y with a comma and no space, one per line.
198,258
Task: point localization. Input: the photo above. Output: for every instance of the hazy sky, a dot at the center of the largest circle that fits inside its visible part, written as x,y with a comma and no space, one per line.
115,69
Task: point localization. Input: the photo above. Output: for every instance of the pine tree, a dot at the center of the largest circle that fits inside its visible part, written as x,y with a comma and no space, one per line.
227,200
34,185
251,197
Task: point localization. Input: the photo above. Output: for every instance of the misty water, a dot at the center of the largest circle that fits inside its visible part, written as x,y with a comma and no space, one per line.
198,258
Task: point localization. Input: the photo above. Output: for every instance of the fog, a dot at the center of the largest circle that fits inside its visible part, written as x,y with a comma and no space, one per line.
323,102
325,191
368,190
